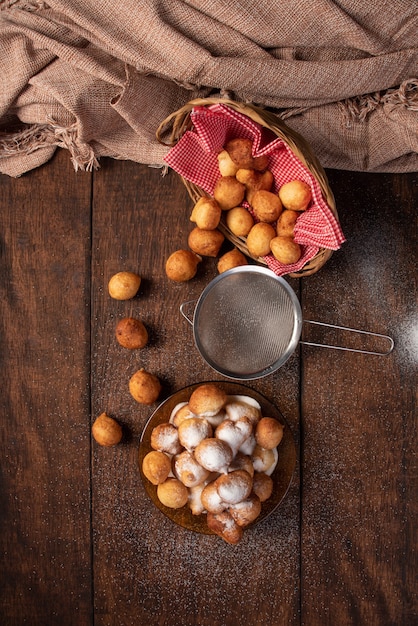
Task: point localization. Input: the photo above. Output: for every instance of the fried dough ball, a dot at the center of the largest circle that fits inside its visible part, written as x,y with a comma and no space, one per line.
285,249
173,493
226,165
207,399
124,285
211,499
268,433
180,414
237,408
233,258
242,462
234,433
254,181
234,486
286,223
144,387
266,205
205,242
241,152
259,238
295,195
262,486
192,431
182,265
246,511
213,454
239,221
131,333
165,438
206,213
264,460
228,192
224,525
156,466
106,430
188,470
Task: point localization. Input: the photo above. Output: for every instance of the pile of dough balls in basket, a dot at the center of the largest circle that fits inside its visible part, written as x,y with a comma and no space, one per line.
216,455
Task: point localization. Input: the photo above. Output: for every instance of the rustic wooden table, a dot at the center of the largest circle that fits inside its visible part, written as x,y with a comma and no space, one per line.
81,542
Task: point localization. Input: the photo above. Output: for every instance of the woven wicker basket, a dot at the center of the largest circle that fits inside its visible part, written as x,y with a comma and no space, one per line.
179,122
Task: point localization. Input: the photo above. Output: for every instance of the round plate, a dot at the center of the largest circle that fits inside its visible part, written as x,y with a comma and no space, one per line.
282,475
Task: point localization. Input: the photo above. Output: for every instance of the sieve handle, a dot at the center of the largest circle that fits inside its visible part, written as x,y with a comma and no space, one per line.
183,310
386,338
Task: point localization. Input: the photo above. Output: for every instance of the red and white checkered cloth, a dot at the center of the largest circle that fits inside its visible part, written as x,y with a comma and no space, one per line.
195,158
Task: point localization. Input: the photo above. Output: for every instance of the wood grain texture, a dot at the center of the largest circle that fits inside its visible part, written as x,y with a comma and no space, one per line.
81,541
45,442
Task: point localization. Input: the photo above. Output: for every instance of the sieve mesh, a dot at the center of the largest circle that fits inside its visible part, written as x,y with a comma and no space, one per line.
247,323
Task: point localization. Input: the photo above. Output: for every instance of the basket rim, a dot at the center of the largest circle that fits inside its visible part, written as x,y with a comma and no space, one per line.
179,122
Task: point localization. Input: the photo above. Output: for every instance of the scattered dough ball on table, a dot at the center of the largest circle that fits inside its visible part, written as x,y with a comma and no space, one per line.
131,333
286,223
205,242
266,206
259,238
285,249
173,493
182,265
124,285
231,259
156,466
206,213
106,430
144,387
228,192
239,221
295,195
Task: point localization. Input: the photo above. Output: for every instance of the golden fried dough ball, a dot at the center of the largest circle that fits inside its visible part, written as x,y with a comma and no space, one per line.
266,205
246,511
234,486
242,462
264,460
214,454
188,470
241,152
286,223
262,486
268,433
259,238
211,500
131,333
233,258
254,181
180,414
192,431
206,242
182,265
223,525
156,466
124,285
106,430
260,163
206,213
207,399
228,192
226,165
173,493
144,387
239,221
295,195
165,438
285,249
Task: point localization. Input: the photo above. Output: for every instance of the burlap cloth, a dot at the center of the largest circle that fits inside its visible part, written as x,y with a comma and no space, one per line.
98,76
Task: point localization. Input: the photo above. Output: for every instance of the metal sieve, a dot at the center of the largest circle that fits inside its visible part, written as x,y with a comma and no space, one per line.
247,322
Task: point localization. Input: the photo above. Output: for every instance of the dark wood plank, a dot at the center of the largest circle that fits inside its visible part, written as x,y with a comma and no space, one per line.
359,426
45,442
146,569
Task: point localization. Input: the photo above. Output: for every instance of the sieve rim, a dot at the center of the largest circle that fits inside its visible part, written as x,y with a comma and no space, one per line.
292,343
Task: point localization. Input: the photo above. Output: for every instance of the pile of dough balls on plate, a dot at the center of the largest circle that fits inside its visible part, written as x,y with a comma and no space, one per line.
243,196
216,455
